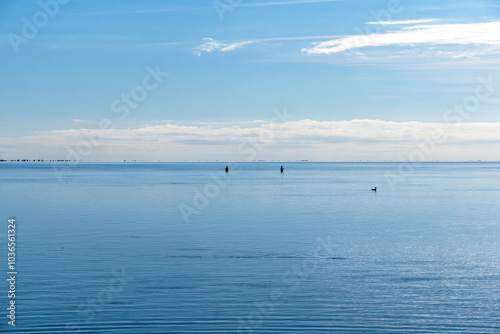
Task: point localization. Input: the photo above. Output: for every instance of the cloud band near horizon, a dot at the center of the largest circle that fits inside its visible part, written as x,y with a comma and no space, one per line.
302,139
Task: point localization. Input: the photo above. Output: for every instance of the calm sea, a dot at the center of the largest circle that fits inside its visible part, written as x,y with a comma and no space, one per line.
187,248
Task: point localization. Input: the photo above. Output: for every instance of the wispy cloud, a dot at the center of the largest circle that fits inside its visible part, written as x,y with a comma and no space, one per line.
403,22
460,55
457,34
210,45
193,8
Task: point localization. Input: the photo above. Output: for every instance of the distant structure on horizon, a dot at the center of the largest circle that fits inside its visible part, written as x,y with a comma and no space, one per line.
36,160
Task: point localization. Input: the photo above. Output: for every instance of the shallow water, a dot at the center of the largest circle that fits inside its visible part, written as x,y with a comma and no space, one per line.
187,248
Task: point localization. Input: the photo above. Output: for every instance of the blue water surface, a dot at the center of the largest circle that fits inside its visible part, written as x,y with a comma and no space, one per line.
188,248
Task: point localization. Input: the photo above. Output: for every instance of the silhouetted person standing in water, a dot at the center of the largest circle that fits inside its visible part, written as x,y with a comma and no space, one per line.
282,169
227,169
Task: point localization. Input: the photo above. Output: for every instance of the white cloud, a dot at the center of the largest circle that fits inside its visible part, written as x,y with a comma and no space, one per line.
210,45
329,140
450,34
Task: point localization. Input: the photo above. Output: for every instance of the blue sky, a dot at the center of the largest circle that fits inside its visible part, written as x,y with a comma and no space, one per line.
401,62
